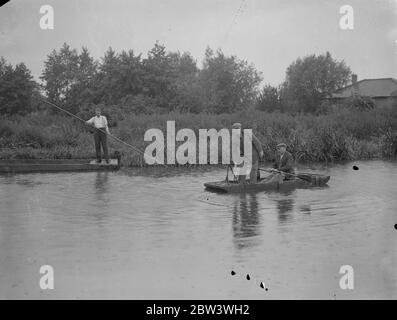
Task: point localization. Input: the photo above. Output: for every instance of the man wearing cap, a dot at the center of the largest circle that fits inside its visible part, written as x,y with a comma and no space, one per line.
257,153
283,161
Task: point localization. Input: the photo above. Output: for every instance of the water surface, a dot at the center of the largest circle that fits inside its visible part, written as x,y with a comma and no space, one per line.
157,234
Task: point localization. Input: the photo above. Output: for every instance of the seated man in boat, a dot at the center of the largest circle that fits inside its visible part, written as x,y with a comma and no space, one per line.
257,154
284,161
100,124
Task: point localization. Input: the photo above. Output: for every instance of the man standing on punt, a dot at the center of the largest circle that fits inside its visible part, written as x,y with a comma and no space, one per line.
257,154
100,124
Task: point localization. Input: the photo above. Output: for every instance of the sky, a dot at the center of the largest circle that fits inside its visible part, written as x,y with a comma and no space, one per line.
267,33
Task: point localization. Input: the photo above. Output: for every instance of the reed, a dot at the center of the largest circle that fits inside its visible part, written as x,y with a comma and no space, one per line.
343,135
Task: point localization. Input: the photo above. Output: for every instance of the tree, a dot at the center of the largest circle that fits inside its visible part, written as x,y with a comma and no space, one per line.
17,89
188,93
160,76
106,80
69,77
60,74
183,64
119,75
131,74
82,91
311,79
269,99
229,84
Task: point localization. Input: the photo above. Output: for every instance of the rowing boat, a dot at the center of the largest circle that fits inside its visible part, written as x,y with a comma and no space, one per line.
55,165
306,180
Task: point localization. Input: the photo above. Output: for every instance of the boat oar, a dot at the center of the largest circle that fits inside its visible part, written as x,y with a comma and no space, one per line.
303,177
316,179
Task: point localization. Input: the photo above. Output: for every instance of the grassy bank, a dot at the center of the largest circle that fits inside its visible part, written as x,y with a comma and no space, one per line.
342,135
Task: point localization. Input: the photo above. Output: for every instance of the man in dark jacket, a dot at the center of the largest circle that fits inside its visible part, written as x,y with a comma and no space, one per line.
284,161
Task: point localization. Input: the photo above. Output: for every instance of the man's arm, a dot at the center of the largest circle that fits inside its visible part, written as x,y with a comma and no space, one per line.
91,121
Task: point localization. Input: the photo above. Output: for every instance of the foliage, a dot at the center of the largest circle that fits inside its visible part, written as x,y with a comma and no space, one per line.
229,84
330,137
17,89
361,103
68,77
311,79
269,99
137,93
165,81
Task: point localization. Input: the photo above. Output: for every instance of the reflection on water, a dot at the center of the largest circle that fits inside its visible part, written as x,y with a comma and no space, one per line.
285,206
305,209
155,233
245,220
101,185
101,192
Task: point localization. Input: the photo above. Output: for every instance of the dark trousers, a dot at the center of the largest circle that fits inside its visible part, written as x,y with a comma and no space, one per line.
101,139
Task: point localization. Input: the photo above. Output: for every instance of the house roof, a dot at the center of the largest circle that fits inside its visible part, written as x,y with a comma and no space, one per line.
383,87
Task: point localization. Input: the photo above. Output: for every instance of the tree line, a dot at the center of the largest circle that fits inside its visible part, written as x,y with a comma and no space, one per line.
165,81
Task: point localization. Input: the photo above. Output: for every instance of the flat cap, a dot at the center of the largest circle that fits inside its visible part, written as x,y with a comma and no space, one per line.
236,125
281,145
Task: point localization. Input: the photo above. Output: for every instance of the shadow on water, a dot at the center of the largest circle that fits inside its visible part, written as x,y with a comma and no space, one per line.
245,220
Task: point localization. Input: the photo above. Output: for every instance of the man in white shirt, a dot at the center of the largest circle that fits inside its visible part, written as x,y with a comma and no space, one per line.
256,155
100,123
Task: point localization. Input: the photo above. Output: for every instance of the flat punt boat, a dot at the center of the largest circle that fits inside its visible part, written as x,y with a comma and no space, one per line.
305,181
56,165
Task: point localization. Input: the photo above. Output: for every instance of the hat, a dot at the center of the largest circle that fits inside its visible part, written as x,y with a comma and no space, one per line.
236,125
281,145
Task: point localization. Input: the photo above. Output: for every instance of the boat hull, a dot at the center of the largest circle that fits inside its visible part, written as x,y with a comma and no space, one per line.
55,165
263,185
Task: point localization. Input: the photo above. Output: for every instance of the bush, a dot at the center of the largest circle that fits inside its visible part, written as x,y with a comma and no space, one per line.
346,134
139,104
361,103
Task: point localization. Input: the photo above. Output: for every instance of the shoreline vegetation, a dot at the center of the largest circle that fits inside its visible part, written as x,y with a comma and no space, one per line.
343,135
139,92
